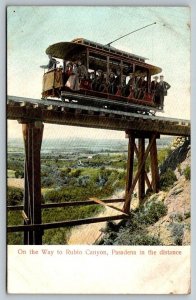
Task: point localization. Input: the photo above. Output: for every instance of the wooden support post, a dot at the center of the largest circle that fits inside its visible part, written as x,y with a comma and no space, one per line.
154,167
146,176
27,136
32,135
130,162
37,214
127,203
141,180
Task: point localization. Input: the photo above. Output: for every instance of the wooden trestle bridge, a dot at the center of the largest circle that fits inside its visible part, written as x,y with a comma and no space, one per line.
32,113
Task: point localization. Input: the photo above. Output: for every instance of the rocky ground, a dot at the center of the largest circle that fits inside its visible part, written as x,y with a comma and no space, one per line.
174,228
167,213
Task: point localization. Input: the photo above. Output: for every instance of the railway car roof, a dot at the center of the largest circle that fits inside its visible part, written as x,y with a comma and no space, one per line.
72,50
108,48
65,50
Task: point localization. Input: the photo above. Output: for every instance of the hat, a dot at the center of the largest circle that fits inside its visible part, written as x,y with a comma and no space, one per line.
69,63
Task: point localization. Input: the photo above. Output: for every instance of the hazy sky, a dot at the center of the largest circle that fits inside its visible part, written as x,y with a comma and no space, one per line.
167,44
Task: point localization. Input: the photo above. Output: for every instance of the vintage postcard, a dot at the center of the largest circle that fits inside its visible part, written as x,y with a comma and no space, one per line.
98,150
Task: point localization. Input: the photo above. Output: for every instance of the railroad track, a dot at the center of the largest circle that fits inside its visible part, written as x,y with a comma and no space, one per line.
143,108
74,106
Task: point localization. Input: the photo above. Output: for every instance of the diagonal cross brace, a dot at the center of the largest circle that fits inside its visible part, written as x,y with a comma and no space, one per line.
108,205
126,207
146,176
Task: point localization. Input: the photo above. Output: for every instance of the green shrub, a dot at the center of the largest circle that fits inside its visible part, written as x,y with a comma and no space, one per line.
187,214
177,230
55,236
11,173
14,218
167,179
178,217
75,173
15,165
19,174
129,237
187,173
15,238
60,235
152,212
134,232
14,196
163,154
77,193
143,240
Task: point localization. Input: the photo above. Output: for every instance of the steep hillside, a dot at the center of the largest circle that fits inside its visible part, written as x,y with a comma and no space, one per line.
164,219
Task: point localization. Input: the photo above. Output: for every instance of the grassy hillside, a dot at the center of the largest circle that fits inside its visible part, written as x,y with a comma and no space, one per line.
70,178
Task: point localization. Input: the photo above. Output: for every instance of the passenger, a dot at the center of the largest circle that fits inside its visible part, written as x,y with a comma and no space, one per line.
111,84
93,78
82,70
52,64
163,87
117,83
144,87
154,89
68,70
141,87
130,87
73,80
104,84
99,81
123,86
136,90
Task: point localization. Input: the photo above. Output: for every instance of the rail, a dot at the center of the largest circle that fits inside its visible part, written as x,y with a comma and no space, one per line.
70,113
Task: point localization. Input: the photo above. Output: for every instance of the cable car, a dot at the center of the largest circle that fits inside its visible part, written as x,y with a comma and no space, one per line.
97,74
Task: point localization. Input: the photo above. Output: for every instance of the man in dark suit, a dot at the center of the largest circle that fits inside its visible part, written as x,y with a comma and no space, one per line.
51,64
111,82
163,87
141,87
154,89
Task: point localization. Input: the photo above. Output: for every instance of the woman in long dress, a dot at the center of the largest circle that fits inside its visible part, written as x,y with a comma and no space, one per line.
73,80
